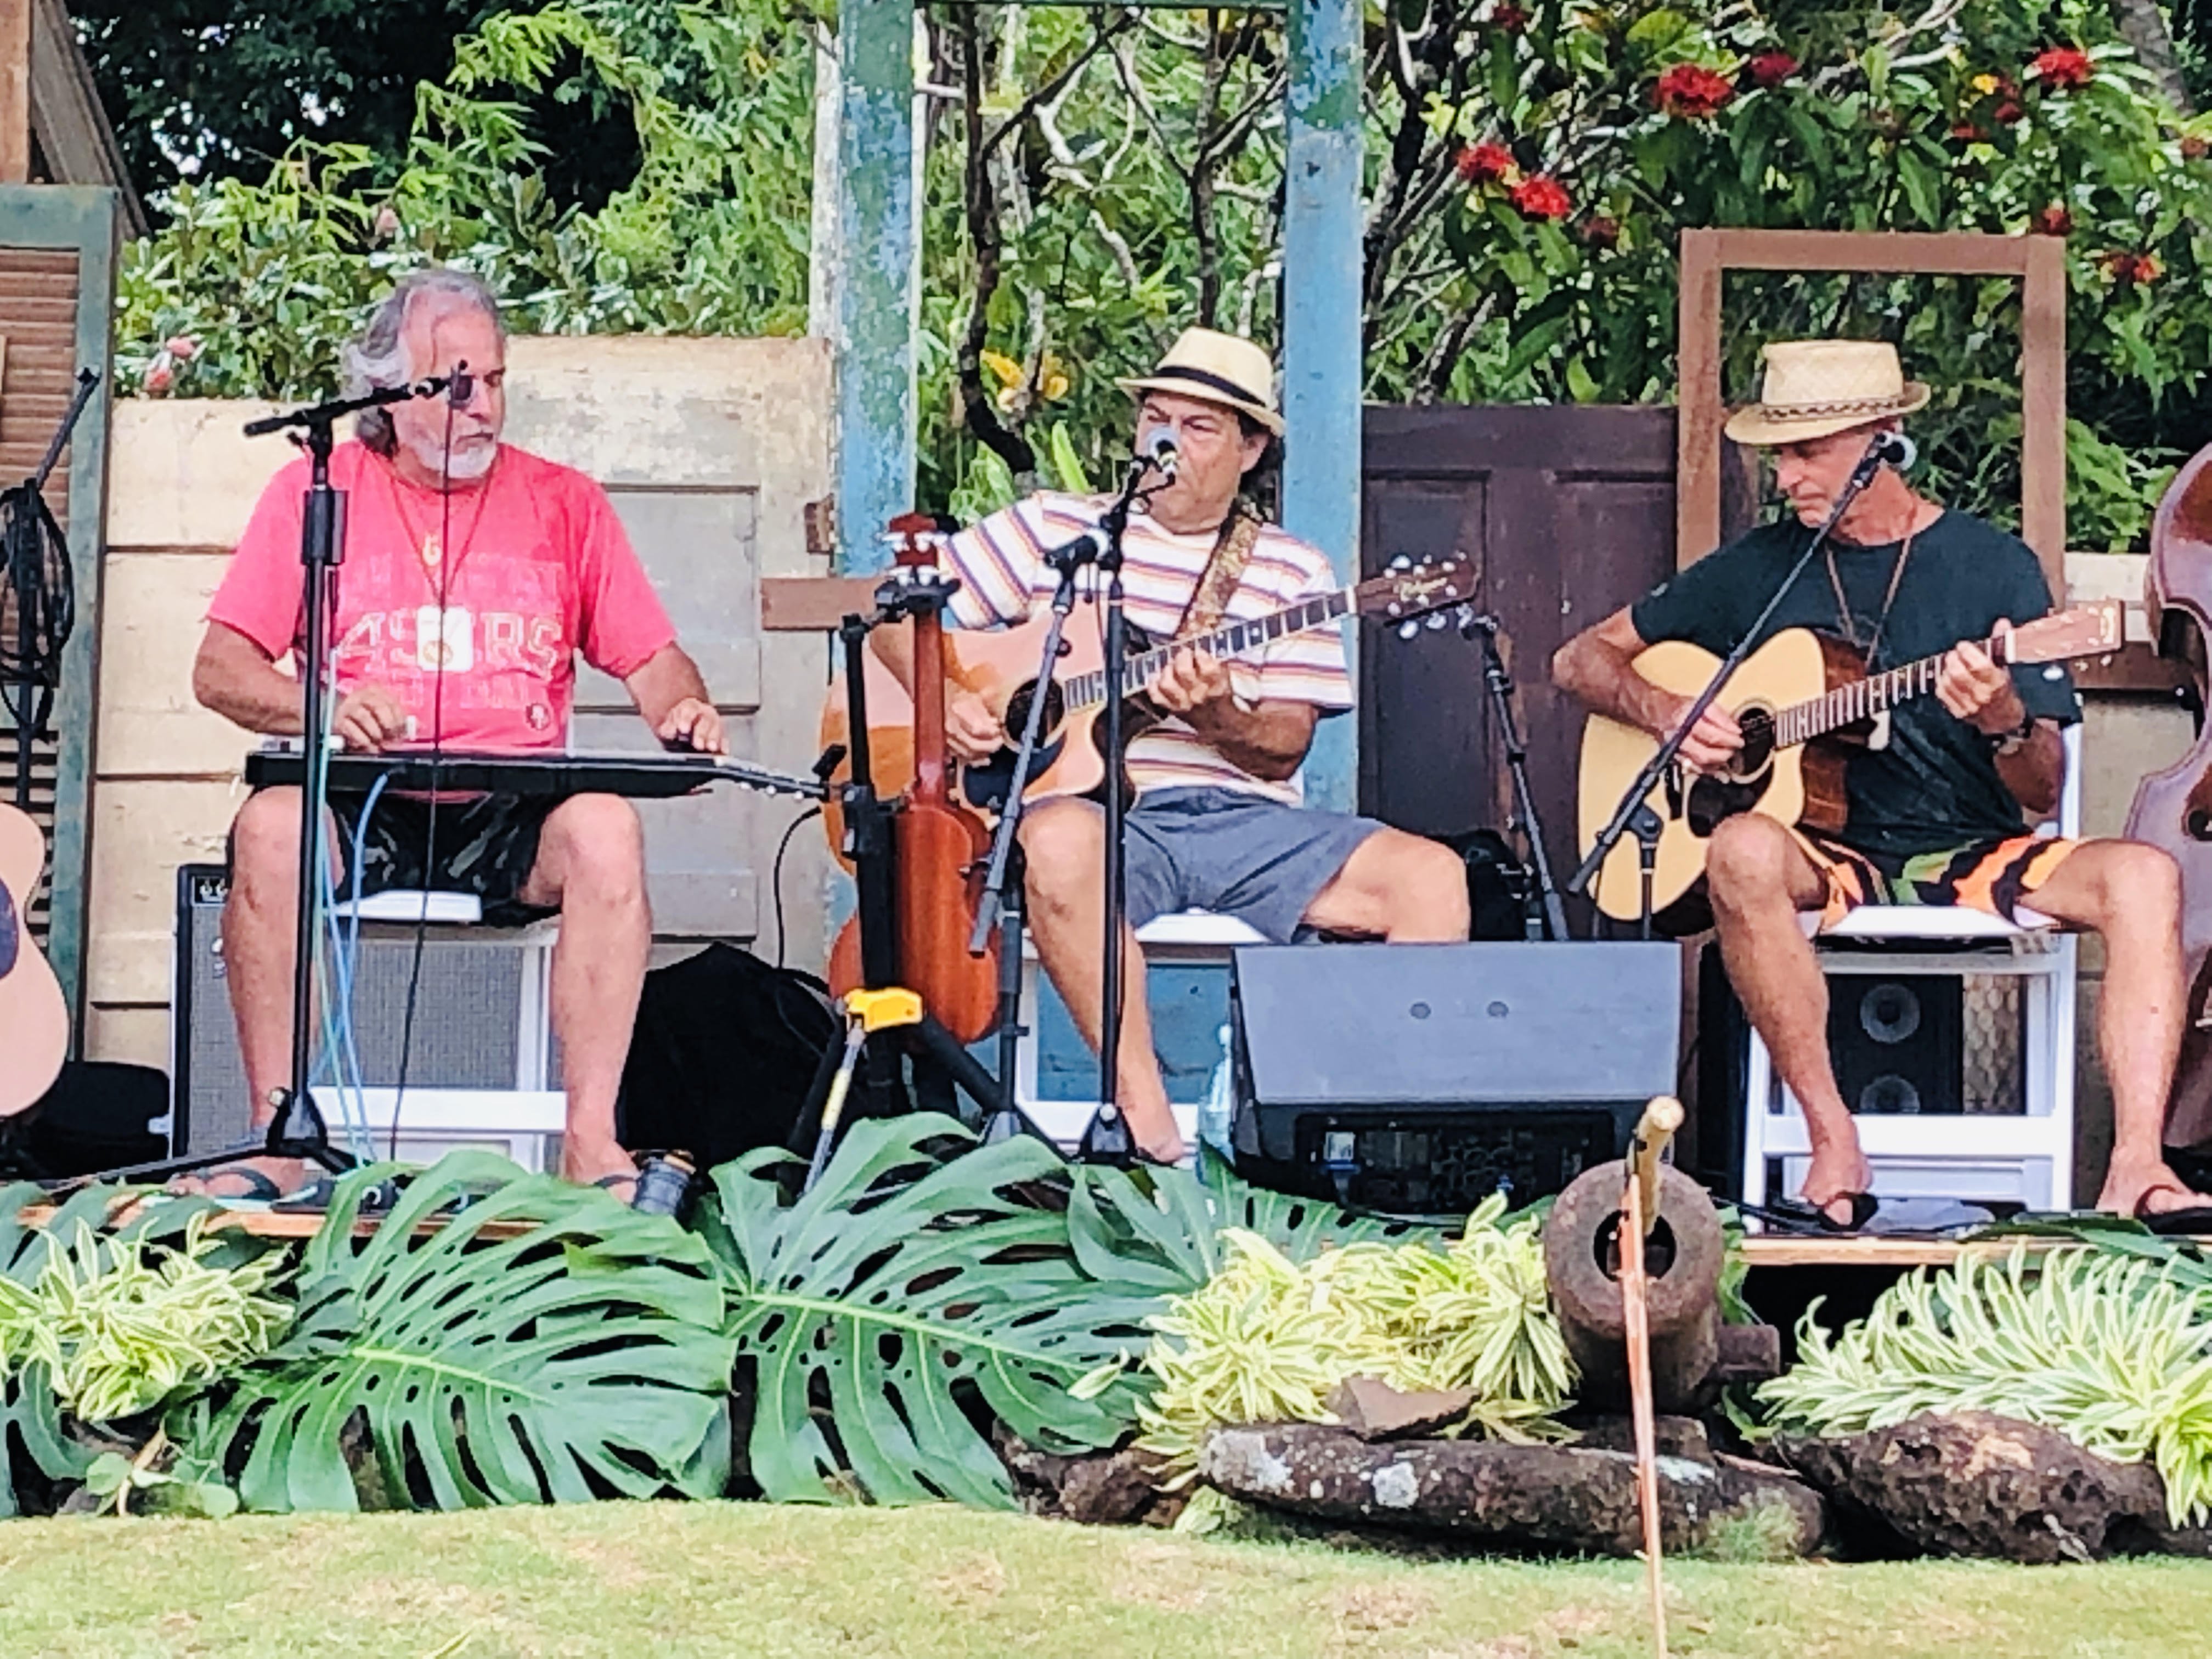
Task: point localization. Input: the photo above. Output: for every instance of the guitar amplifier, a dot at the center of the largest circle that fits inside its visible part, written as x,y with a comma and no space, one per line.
1423,1078
467,1032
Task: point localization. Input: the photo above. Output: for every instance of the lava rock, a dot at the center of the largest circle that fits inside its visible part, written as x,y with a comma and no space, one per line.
1975,1484
1564,1498
1373,1410
1112,1488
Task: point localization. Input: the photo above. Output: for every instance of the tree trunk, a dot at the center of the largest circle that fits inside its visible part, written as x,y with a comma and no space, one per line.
2144,23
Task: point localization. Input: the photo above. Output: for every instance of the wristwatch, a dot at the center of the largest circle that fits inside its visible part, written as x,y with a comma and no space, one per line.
2013,741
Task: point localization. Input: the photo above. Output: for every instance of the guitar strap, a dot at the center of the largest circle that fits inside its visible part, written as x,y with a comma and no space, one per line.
1223,573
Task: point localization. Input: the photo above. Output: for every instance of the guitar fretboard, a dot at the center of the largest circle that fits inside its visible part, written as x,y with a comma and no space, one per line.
1861,700
1088,690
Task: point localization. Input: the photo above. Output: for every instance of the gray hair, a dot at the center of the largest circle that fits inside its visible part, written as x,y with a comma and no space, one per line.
376,359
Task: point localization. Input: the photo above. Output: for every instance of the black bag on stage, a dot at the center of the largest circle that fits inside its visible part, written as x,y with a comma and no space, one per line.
1500,888
724,1049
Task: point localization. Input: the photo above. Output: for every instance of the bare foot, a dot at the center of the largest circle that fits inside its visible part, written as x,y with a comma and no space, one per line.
600,1164
1833,1179
2147,1187
252,1178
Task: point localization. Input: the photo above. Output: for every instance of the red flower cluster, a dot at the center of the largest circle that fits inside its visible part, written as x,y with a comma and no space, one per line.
1772,69
1542,197
2062,68
2053,221
1967,133
1482,164
1508,16
1601,232
2127,270
1693,92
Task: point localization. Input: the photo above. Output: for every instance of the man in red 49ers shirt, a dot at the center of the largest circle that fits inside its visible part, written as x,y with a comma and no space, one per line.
475,575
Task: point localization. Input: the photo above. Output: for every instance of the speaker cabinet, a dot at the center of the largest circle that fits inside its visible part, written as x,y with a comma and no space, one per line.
1897,1042
1425,1077
467,1030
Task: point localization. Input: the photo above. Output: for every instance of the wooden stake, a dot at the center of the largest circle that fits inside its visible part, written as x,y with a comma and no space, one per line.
15,91
1640,1210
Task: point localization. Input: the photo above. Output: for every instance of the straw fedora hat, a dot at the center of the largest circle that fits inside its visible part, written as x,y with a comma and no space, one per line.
1216,368
1814,387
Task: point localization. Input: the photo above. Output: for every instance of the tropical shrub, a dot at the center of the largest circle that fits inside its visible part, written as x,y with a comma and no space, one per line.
2112,1351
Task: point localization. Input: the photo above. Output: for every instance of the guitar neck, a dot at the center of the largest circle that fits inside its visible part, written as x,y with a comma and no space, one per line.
1233,639
1861,700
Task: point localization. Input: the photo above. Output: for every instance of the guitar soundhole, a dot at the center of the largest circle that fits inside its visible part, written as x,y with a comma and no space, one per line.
1017,711
1714,798
9,942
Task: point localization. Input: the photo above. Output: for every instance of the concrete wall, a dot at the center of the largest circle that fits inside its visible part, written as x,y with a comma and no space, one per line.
711,450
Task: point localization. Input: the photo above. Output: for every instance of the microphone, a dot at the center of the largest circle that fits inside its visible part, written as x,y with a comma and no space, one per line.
1158,448
461,386
1895,450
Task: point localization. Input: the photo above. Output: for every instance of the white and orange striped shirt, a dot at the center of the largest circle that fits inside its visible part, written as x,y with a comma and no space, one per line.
1004,581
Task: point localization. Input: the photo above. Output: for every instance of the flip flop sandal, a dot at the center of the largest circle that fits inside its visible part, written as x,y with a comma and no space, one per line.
608,1183
1805,1214
259,1188
2195,1218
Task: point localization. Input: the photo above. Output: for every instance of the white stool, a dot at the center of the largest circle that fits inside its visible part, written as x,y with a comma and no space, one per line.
1187,937
2024,1158
523,1122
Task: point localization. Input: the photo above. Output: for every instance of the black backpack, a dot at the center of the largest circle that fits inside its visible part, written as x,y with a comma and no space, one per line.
725,1050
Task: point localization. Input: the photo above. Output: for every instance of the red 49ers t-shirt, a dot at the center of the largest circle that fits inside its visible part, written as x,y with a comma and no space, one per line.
532,568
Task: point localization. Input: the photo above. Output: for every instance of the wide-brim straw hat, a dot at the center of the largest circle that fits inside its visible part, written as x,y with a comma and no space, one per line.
1812,388
1216,368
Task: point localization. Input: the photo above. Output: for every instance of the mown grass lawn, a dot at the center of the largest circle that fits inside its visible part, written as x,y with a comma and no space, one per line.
635,1580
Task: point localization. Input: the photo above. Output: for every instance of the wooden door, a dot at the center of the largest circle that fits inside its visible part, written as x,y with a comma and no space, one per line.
1567,513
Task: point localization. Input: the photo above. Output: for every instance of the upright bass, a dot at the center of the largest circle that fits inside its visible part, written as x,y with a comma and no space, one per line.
940,851
2172,809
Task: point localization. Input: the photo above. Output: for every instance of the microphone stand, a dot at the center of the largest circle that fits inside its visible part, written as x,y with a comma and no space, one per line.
1634,813
1500,686
1106,1138
1001,903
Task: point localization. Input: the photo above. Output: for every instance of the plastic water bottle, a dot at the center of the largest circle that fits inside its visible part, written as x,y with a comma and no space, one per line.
1216,1113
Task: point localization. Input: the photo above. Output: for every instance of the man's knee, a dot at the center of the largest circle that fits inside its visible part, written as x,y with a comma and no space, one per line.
1062,841
1426,886
2135,883
1747,863
265,844
597,846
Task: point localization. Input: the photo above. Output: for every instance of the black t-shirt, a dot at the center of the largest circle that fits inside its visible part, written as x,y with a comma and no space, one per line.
1935,785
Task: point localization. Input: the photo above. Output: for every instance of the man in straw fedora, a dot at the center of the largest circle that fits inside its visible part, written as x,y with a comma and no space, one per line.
1941,813
1217,823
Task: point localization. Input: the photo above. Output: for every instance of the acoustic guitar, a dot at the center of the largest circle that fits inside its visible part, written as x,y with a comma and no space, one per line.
1001,666
33,1017
1805,703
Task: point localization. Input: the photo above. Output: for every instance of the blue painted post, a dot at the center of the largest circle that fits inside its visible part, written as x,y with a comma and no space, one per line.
878,230
1322,367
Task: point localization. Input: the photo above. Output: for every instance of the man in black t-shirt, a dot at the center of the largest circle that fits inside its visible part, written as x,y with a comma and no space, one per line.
1941,813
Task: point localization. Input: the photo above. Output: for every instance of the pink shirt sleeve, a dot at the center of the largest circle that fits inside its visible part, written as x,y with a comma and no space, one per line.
260,592
621,624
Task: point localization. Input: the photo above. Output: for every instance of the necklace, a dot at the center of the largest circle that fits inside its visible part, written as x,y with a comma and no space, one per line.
429,548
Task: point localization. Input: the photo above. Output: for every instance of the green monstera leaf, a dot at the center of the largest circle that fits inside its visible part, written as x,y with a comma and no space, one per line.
926,1285
535,1341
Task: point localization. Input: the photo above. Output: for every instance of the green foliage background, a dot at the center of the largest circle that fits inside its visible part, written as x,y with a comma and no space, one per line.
623,166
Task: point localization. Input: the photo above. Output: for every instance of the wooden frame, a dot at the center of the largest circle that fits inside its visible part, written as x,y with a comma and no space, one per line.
2037,262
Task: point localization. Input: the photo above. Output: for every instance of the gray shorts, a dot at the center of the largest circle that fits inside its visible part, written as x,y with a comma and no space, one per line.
1238,854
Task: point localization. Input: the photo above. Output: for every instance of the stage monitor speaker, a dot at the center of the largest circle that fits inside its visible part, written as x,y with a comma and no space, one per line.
1897,1042
1423,1078
468,1010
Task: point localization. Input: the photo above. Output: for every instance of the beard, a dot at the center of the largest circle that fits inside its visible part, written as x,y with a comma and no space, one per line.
468,460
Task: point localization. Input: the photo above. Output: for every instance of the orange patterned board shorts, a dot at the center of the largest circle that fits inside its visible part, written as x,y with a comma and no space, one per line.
1994,877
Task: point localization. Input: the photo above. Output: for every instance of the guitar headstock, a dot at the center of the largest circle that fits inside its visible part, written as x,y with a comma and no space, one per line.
1410,590
915,579
2096,629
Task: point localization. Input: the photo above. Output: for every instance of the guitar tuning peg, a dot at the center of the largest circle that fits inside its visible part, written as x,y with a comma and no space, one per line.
1407,629
1401,563
1436,620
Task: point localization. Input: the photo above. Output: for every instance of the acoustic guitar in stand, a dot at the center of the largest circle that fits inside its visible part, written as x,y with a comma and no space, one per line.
1001,666
1805,703
33,1016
